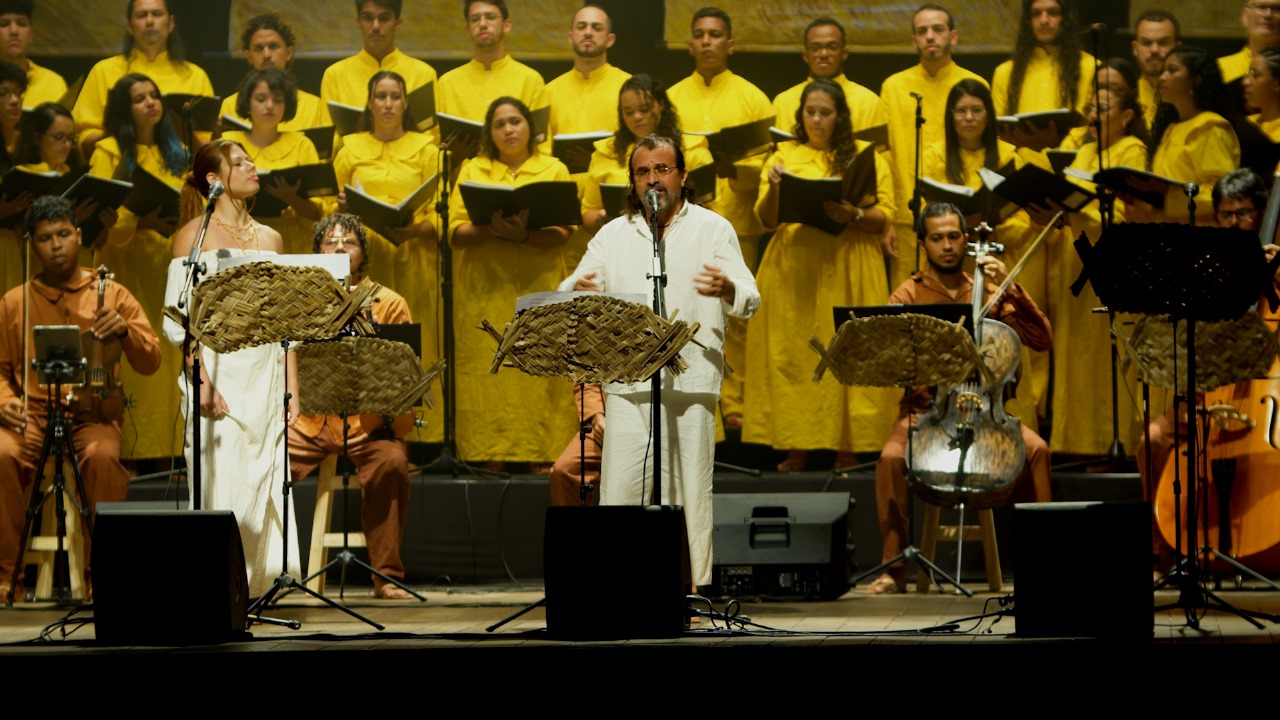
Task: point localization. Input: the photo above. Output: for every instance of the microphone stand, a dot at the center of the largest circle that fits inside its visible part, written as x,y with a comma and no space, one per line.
448,462
917,192
659,278
196,268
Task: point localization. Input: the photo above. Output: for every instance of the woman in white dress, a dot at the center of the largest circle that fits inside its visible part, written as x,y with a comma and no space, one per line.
242,432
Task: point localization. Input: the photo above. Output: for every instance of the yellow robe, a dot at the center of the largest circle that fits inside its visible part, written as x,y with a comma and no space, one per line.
901,110
1148,98
581,105
140,260
866,109
43,85
1199,150
169,78
1235,65
729,100
804,273
509,416
310,113
1040,84
347,80
1082,338
467,90
291,149
1270,127
389,172
1016,234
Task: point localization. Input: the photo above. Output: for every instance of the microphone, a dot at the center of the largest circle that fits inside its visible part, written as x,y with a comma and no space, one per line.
1191,189
651,199
917,96
216,188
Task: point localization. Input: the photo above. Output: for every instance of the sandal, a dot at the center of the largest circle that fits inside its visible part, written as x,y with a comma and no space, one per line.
884,585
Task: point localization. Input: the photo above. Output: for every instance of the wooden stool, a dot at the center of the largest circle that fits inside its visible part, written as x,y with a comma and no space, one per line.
43,548
935,532
329,484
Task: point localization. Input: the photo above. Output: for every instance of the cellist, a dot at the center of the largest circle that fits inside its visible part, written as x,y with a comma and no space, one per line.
63,293
943,239
1238,201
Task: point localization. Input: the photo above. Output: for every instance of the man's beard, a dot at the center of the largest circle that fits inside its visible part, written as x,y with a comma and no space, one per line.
595,52
945,269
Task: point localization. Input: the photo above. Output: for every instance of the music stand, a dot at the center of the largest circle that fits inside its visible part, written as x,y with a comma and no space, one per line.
258,303
1191,275
589,337
360,376
895,346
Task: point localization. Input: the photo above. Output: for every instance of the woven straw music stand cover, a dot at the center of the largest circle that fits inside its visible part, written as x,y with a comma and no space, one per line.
259,303
1226,352
592,338
898,351
362,375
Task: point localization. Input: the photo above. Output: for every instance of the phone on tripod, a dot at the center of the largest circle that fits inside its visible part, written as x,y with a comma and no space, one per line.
59,357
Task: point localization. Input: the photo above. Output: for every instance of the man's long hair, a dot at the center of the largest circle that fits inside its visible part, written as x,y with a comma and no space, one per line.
1067,48
174,46
635,204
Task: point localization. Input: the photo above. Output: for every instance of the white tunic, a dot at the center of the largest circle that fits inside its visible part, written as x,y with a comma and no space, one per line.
243,453
621,255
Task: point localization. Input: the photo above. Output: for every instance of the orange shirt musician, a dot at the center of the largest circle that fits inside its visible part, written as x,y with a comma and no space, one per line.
63,293
942,236
374,445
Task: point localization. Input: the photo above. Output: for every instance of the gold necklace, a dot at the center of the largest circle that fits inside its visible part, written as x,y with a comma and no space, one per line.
242,235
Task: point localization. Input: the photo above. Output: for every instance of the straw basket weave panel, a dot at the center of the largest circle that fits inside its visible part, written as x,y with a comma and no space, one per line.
259,303
898,351
362,375
1226,352
592,338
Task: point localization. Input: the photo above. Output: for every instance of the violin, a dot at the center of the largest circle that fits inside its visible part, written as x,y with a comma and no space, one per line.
102,392
966,449
1237,503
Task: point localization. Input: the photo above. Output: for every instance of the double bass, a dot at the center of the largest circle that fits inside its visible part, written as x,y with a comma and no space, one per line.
1237,502
966,449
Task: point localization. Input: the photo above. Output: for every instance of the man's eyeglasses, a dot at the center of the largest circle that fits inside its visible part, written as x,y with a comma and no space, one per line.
342,240
641,173
1243,216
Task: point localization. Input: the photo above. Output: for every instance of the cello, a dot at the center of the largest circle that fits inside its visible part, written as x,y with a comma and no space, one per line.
1237,498
966,450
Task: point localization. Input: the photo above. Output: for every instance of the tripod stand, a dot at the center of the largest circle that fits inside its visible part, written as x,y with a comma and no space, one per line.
1197,275
361,376
58,445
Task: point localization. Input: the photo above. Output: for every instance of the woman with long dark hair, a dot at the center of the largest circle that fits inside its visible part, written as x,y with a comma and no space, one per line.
1262,91
140,135
267,99
643,109
47,145
1193,139
242,433
805,272
494,263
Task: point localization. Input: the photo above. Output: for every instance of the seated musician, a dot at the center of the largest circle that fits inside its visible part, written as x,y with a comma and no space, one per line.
942,237
63,293
1238,201
377,450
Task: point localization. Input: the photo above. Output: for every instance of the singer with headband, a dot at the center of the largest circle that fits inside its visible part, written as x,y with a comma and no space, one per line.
707,283
242,437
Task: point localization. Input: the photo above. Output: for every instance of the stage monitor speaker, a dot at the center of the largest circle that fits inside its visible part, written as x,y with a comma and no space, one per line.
615,572
194,555
781,546
1083,569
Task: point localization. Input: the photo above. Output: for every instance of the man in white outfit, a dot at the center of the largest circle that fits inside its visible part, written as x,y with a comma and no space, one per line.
707,282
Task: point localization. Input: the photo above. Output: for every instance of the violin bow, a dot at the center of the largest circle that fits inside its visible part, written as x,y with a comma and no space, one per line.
1031,251
26,324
